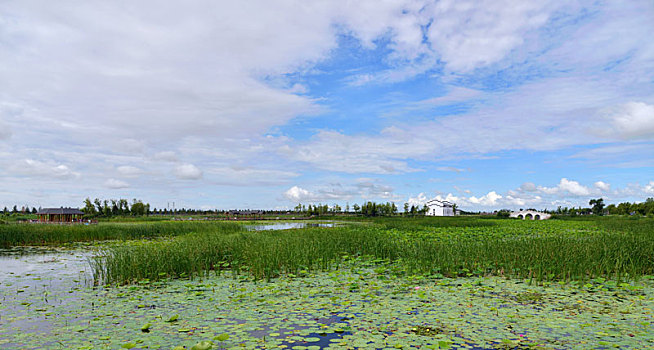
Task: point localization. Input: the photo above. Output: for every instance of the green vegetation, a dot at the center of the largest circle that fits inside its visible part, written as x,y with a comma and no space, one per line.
382,282
358,306
614,248
43,234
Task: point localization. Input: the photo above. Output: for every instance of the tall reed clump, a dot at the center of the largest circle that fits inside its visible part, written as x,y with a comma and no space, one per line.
48,234
538,250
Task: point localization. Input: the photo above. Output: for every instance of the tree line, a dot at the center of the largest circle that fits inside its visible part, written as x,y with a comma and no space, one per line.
115,207
598,207
368,209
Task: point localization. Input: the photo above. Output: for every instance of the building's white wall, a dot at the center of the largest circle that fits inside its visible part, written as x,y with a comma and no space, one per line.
437,210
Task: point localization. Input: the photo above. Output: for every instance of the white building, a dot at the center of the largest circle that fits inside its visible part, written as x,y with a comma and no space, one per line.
439,208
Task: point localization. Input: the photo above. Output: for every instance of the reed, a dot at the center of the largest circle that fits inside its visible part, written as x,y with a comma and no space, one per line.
48,234
547,250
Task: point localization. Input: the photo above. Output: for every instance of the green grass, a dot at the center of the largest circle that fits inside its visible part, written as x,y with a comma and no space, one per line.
614,248
47,234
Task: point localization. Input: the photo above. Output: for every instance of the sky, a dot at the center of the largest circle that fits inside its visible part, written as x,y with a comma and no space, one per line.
489,104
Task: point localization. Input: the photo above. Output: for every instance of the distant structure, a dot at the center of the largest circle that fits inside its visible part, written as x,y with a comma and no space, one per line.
439,208
52,215
530,215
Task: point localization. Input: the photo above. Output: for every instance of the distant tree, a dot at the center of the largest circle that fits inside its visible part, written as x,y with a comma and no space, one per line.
98,205
356,208
424,209
89,208
649,206
406,208
138,208
14,210
598,206
34,210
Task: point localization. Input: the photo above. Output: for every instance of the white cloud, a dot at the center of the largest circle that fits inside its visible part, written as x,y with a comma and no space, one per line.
250,176
418,201
31,167
168,156
129,171
489,199
528,187
331,150
573,187
298,194
633,120
566,186
602,186
450,168
5,131
187,172
470,34
649,188
115,184
369,188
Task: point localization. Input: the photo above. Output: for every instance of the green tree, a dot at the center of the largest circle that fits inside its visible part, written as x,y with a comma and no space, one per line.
89,208
597,205
138,208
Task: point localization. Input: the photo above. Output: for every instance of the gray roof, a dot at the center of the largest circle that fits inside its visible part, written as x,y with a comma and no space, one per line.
65,211
440,203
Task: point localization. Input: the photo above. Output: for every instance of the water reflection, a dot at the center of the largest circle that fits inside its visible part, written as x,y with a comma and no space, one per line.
287,226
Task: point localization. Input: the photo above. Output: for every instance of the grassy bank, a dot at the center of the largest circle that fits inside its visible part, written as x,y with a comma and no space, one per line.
546,250
42,234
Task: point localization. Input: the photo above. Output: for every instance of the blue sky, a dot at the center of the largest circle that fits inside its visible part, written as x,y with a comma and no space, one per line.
266,104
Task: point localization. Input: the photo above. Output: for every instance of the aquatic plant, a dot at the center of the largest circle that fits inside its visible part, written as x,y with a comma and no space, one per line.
48,234
538,250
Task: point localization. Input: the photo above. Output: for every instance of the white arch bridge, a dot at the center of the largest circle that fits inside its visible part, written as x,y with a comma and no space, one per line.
530,215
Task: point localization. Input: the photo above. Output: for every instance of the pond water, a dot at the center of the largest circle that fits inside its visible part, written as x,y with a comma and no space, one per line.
287,226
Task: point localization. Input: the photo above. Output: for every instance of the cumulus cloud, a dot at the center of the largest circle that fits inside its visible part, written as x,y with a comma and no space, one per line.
298,194
35,168
115,184
363,188
489,199
633,120
418,201
602,186
649,188
528,187
187,172
567,186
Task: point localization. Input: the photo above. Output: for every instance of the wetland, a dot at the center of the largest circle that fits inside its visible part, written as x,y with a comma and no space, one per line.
430,283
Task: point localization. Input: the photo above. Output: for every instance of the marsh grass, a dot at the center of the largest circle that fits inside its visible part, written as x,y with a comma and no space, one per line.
546,250
48,234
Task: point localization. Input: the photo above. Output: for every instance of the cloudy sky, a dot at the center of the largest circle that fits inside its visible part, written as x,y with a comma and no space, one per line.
264,104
